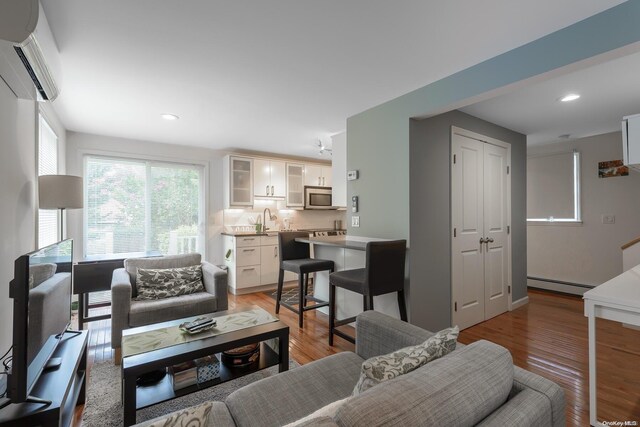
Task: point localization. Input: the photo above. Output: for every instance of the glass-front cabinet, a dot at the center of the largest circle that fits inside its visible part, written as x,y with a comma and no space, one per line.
240,181
295,185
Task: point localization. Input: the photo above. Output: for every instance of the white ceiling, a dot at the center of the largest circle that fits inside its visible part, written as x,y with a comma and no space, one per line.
272,75
607,92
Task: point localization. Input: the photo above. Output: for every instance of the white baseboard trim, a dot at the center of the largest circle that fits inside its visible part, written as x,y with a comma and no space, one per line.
559,286
519,303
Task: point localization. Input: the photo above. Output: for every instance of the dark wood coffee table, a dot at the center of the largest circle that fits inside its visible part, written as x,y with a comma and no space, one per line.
134,366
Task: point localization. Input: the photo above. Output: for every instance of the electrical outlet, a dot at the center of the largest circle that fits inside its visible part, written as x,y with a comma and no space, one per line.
355,221
608,219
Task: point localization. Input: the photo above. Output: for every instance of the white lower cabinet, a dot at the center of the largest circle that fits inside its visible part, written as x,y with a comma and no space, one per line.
269,264
252,262
247,277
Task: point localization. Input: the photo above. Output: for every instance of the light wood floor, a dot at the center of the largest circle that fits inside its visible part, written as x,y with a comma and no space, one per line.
548,336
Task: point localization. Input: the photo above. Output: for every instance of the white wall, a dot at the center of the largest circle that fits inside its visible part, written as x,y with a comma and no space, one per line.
17,193
589,253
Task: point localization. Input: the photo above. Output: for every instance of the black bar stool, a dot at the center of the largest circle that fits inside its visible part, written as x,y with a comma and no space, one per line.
383,274
295,257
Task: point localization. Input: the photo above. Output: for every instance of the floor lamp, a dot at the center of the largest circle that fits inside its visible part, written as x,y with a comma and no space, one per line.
60,192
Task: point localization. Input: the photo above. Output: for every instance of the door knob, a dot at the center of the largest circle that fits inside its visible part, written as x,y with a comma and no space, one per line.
483,240
489,240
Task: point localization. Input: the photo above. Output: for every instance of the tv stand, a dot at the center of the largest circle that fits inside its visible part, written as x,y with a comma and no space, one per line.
58,391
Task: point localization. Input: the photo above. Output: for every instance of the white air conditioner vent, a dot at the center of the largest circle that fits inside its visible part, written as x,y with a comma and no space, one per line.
31,56
29,59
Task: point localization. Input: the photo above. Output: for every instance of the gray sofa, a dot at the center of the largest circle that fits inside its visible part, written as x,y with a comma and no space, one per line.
128,313
474,385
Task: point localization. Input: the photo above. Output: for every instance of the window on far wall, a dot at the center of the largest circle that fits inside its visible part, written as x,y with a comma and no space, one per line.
553,187
139,206
48,220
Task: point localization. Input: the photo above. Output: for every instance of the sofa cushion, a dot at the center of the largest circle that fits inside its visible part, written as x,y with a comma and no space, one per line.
169,261
326,411
293,394
459,389
158,283
389,366
147,312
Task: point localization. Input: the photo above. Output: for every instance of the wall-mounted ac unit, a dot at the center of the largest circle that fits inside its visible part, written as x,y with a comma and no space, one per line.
631,141
29,59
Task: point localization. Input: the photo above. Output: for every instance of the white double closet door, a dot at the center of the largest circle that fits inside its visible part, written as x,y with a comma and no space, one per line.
481,255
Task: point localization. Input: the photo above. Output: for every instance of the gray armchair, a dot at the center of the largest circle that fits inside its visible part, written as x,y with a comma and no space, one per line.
126,312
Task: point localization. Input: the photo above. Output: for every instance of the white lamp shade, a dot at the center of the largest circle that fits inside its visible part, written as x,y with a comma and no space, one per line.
60,192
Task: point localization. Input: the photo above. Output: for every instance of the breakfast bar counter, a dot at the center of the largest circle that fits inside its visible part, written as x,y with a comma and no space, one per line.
358,244
347,252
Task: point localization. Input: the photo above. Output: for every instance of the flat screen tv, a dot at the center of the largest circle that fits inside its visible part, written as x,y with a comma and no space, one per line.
41,292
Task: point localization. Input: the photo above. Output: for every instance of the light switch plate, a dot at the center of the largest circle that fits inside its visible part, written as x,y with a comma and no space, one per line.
608,219
355,221
352,175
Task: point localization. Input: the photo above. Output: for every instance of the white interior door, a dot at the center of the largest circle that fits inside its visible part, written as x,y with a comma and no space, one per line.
496,250
467,274
480,217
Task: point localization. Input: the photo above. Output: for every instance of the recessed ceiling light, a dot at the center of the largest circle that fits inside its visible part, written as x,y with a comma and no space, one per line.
570,97
168,116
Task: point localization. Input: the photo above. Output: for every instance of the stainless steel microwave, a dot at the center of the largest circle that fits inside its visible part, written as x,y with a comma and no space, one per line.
318,198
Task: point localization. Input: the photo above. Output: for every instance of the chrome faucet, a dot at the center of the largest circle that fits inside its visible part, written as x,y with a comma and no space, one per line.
264,219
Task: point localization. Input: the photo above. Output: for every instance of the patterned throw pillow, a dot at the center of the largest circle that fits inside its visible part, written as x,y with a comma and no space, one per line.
194,416
389,366
153,284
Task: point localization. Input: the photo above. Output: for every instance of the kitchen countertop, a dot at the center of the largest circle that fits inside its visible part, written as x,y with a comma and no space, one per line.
273,232
343,242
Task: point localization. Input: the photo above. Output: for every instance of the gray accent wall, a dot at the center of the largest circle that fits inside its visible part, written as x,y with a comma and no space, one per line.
430,213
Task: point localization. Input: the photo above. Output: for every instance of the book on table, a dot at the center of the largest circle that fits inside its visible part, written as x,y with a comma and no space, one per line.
195,372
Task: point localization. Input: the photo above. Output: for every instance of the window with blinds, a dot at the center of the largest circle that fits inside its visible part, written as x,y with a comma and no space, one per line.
139,206
48,220
553,187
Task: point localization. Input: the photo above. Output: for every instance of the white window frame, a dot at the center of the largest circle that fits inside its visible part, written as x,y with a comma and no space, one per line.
43,123
113,155
577,214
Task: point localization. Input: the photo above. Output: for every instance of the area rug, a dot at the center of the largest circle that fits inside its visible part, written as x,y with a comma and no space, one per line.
103,405
290,295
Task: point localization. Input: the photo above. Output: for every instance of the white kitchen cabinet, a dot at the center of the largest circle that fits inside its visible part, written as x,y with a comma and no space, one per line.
248,277
238,181
247,256
295,185
253,263
269,264
317,175
269,178
262,178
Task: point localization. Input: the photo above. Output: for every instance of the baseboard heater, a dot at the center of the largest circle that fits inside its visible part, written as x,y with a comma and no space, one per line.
558,285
